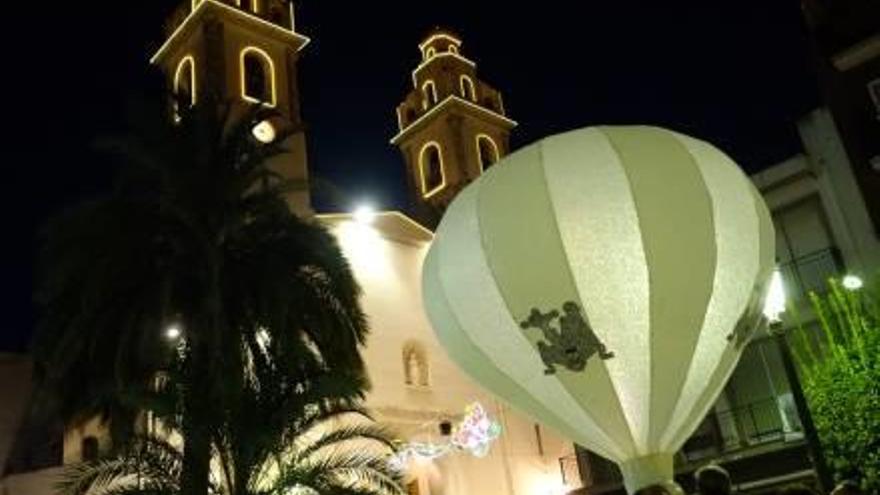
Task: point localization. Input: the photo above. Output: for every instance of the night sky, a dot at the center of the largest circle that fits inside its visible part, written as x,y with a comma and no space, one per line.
736,73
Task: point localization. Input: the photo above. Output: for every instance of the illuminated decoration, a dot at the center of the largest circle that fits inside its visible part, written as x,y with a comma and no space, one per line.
438,56
439,36
468,92
852,282
453,49
449,100
605,281
264,132
292,17
474,434
186,63
429,98
254,5
399,119
484,138
430,52
266,62
423,153
297,40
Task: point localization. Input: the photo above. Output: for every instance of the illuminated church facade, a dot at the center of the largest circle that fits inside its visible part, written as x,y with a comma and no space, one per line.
452,126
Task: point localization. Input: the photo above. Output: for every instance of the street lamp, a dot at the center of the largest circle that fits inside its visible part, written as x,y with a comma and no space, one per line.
852,282
172,332
774,306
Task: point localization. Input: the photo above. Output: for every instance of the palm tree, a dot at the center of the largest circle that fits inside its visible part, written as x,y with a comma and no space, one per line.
281,437
196,234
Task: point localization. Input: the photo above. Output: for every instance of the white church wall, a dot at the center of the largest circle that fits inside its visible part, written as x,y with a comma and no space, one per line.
389,272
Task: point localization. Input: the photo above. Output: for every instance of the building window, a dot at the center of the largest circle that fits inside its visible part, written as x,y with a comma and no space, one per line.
467,88
429,94
185,83
89,449
487,151
805,247
415,365
257,76
431,171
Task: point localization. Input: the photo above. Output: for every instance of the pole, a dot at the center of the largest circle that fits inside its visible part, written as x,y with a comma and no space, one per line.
814,447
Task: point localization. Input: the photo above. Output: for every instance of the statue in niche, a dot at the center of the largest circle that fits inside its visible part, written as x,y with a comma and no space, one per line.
415,367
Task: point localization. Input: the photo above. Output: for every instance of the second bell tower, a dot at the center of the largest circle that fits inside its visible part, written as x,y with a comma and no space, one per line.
452,126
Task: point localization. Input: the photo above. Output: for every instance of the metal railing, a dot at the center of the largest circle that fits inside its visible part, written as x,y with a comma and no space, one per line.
759,424
810,273
755,423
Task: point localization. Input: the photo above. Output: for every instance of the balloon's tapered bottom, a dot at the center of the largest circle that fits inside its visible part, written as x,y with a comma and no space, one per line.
648,470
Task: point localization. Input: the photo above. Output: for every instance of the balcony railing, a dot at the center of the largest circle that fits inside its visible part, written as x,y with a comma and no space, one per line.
809,273
766,421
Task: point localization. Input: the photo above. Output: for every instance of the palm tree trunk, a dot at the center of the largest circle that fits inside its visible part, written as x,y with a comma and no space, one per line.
196,433
198,401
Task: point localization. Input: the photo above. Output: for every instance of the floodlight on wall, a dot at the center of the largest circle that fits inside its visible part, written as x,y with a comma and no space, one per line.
364,214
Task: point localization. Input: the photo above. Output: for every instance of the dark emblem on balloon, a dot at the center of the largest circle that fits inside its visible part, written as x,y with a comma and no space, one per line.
571,344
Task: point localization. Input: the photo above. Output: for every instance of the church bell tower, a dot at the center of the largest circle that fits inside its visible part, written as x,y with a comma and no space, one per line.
452,126
244,52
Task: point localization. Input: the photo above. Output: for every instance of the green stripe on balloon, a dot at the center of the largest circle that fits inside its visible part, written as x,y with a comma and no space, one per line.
678,236
522,246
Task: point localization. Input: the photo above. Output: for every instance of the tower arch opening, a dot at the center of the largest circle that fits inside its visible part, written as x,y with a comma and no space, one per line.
487,151
257,76
468,90
184,84
432,175
429,94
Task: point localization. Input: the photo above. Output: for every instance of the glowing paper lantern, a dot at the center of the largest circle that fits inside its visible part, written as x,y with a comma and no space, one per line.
605,281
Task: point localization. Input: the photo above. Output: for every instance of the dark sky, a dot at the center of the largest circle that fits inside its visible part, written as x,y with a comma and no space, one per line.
736,73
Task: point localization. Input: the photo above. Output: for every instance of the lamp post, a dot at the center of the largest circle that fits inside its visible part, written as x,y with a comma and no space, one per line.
773,309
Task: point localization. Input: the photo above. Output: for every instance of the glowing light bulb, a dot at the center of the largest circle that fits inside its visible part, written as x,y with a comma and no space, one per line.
852,282
264,132
364,214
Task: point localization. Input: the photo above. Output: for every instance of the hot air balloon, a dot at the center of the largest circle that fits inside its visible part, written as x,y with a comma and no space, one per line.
605,281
